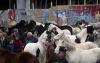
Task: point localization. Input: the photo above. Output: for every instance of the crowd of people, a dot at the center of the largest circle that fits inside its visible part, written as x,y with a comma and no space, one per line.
16,43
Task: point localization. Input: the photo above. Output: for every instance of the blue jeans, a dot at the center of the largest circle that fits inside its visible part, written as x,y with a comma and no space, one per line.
10,47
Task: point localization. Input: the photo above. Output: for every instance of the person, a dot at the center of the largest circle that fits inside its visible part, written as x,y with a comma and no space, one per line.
3,41
61,56
24,35
18,46
54,31
16,31
30,38
5,32
50,55
10,46
1,30
11,36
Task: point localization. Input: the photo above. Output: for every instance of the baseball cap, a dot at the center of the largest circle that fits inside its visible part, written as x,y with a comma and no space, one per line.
62,48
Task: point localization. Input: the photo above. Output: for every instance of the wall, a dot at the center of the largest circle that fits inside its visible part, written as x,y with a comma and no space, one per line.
44,13
61,14
71,14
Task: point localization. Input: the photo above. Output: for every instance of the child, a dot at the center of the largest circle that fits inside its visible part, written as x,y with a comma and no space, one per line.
17,44
10,46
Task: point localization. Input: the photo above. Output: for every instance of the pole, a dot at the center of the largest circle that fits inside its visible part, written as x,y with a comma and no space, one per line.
97,2
35,3
51,3
41,4
45,4
56,2
78,2
14,6
84,2
10,4
32,4
70,2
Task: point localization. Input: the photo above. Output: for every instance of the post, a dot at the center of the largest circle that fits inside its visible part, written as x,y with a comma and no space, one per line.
28,4
84,2
78,2
97,2
41,4
10,4
21,4
51,3
70,2
33,5
14,6
56,2
45,4
36,4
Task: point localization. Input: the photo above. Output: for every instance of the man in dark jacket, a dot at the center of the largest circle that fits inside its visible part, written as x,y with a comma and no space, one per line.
61,56
23,36
50,55
30,38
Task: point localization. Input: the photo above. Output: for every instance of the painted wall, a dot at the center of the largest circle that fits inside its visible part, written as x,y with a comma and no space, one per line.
60,14
31,14
1,11
44,13
76,13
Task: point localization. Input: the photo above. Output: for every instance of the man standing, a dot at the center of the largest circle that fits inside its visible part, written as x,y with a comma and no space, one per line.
50,55
30,38
61,56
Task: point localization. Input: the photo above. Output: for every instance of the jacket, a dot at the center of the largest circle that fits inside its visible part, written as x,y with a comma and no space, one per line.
50,55
17,45
31,40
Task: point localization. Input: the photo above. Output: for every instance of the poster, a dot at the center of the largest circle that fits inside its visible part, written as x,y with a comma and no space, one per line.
11,17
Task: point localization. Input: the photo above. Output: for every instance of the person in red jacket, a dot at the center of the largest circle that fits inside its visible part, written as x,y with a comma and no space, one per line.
18,46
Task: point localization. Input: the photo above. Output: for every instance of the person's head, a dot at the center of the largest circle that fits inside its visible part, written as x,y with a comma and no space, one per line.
48,42
11,41
29,34
16,37
62,50
1,31
13,33
1,35
6,29
16,30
